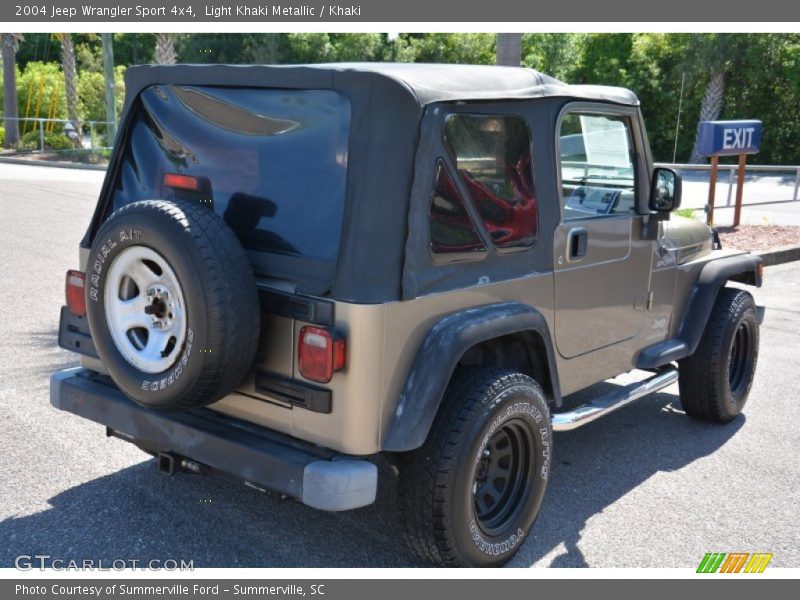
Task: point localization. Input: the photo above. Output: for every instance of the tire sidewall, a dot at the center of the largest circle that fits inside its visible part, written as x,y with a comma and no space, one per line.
516,402
137,228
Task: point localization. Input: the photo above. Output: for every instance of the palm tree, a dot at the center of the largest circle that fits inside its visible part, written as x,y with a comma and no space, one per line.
10,110
509,49
715,54
165,49
70,79
710,109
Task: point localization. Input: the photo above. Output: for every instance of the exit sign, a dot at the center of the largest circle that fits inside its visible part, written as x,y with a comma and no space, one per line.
724,138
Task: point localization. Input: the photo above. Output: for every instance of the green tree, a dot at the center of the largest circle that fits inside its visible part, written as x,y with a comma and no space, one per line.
91,93
134,48
264,48
360,47
654,74
605,58
751,75
38,47
464,48
764,84
88,52
307,48
213,48
555,54
713,54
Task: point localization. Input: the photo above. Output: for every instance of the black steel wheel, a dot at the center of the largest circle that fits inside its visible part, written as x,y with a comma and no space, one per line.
471,494
740,365
503,476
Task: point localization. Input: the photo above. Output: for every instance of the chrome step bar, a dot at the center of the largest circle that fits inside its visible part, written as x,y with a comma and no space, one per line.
610,402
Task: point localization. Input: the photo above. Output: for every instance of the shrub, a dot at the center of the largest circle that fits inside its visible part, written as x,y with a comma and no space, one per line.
53,141
29,141
685,212
57,141
40,93
2,136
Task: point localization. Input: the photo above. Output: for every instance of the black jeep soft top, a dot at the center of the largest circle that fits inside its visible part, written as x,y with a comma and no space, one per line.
330,207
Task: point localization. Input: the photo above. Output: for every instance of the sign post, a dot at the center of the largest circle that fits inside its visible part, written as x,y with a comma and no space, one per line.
728,138
712,189
737,212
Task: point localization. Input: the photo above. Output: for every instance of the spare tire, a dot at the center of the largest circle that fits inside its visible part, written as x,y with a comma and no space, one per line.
172,304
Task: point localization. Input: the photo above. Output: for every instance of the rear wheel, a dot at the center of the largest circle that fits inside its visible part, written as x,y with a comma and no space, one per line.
172,304
471,494
715,381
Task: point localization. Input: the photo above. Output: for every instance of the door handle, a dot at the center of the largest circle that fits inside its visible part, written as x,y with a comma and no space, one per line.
577,239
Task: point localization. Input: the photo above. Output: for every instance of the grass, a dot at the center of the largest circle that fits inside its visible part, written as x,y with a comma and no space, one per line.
685,212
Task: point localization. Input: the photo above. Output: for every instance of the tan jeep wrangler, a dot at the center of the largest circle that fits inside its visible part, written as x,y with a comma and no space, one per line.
292,271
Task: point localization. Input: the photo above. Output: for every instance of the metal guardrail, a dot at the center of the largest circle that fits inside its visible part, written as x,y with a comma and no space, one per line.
41,124
733,171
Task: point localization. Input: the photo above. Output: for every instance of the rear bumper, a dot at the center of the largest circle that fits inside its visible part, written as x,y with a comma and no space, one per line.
317,477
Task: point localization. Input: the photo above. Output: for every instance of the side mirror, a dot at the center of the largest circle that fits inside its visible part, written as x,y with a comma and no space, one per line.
665,191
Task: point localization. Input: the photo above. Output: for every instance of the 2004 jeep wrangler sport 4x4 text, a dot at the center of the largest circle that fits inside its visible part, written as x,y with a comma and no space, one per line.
292,271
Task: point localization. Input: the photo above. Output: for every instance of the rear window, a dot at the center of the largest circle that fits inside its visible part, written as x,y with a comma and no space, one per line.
275,160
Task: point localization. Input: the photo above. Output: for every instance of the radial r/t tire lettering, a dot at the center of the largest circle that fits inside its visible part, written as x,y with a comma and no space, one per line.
172,304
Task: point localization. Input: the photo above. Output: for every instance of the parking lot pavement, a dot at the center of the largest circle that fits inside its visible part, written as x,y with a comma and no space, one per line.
644,487
767,198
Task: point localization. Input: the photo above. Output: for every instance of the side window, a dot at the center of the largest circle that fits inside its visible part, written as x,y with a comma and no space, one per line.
598,173
493,157
451,228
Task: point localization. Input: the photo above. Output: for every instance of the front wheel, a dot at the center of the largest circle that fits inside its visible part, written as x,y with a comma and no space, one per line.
471,494
715,381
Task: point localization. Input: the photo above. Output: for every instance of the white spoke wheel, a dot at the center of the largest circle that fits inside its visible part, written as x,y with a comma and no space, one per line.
145,309
172,304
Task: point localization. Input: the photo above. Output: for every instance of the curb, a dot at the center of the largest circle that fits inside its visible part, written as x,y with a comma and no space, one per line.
779,256
50,163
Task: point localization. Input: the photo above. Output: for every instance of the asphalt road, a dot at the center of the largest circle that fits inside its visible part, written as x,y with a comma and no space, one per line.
645,487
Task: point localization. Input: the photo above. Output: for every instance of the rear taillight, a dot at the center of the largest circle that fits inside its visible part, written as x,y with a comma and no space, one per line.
320,354
182,182
76,300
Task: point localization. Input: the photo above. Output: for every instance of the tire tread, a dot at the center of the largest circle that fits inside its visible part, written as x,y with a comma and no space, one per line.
427,473
230,293
701,395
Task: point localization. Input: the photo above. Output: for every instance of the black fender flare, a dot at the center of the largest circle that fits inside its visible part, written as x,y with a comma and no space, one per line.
743,268
436,360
